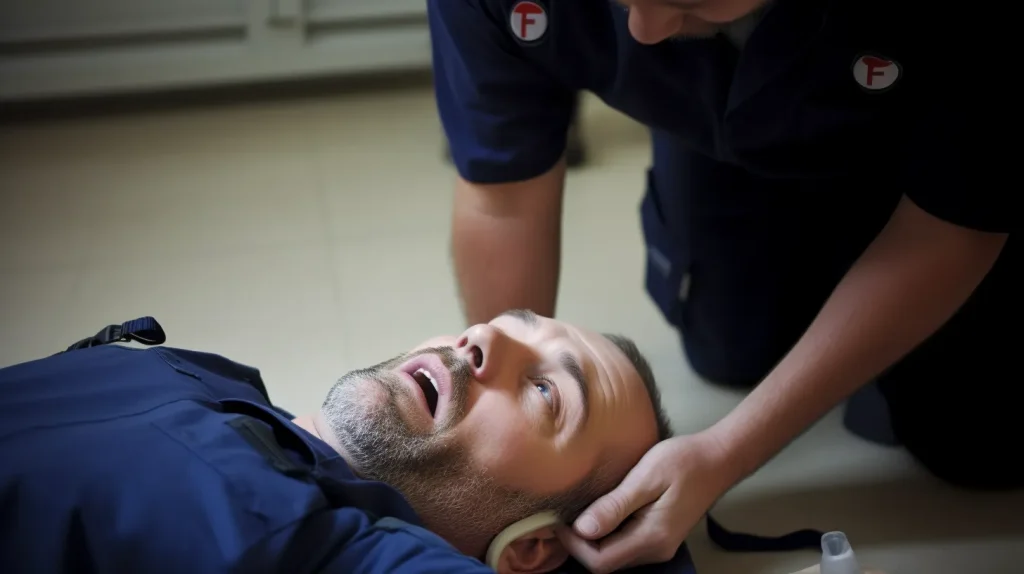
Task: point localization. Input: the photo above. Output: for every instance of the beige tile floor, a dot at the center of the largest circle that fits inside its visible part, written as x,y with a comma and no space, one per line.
308,237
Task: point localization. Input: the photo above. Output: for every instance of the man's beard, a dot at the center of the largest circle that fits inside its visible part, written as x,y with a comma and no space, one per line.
432,470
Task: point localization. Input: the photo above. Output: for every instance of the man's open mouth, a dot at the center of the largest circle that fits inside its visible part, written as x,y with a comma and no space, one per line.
428,384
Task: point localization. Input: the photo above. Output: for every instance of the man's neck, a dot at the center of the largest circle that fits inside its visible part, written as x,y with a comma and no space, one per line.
305,422
318,427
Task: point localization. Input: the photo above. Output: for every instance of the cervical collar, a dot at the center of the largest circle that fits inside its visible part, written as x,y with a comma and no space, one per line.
517,530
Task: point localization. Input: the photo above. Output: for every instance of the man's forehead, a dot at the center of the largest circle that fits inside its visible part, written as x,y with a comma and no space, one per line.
556,327
525,315
532,320
591,340
613,371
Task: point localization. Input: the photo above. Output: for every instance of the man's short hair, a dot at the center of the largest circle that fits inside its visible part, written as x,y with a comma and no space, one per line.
629,348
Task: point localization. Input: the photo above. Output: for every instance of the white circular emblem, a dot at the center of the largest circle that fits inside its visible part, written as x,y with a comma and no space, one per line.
875,73
529,21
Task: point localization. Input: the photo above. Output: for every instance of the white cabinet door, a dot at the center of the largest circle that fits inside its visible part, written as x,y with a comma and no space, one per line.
54,48
27,22
346,11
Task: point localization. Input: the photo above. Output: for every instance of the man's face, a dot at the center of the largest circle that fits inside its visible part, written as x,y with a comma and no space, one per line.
653,21
483,429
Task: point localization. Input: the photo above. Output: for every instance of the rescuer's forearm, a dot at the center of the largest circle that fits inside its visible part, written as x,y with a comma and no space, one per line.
907,284
506,245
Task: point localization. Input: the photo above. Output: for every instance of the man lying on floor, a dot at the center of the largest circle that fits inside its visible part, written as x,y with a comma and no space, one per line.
117,459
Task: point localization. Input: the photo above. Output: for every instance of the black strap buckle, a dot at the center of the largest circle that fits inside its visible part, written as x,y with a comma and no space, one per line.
144,330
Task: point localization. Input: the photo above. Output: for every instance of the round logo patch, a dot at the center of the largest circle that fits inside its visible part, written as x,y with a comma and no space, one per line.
876,73
529,21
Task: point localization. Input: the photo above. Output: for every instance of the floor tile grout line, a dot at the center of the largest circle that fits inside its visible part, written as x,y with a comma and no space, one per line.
333,254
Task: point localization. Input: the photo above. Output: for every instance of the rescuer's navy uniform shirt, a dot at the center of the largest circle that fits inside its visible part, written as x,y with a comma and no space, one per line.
779,150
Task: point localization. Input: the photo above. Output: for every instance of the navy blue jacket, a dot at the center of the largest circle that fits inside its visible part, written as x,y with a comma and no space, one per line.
119,460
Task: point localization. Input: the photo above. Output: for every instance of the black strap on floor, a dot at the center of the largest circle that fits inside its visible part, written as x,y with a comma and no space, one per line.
144,330
740,542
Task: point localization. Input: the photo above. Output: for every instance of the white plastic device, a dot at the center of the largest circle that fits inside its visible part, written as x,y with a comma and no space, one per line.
515,531
837,555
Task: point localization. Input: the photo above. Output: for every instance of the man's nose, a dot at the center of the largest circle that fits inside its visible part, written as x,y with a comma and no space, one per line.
484,348
652,24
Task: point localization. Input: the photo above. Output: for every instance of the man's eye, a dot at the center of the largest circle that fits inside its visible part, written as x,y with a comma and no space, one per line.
545,390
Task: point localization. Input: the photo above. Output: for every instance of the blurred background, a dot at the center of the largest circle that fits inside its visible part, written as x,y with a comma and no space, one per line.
268,179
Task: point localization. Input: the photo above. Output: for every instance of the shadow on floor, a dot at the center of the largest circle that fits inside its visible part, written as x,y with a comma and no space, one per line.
913,512
895,512
165,100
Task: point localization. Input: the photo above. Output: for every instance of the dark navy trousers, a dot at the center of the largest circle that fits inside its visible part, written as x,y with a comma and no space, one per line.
741,264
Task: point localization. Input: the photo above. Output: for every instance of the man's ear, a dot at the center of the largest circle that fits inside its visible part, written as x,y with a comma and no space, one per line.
535,552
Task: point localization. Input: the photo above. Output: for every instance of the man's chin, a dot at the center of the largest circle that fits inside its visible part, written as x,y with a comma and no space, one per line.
368,396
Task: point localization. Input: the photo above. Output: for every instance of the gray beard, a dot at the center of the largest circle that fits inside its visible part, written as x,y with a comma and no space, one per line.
433,471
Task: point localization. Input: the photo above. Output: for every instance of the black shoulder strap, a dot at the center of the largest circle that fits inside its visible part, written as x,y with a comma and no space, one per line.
263,439
143,330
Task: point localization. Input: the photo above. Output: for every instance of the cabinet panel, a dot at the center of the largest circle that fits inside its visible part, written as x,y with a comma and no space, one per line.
27,21
343,11
68,48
